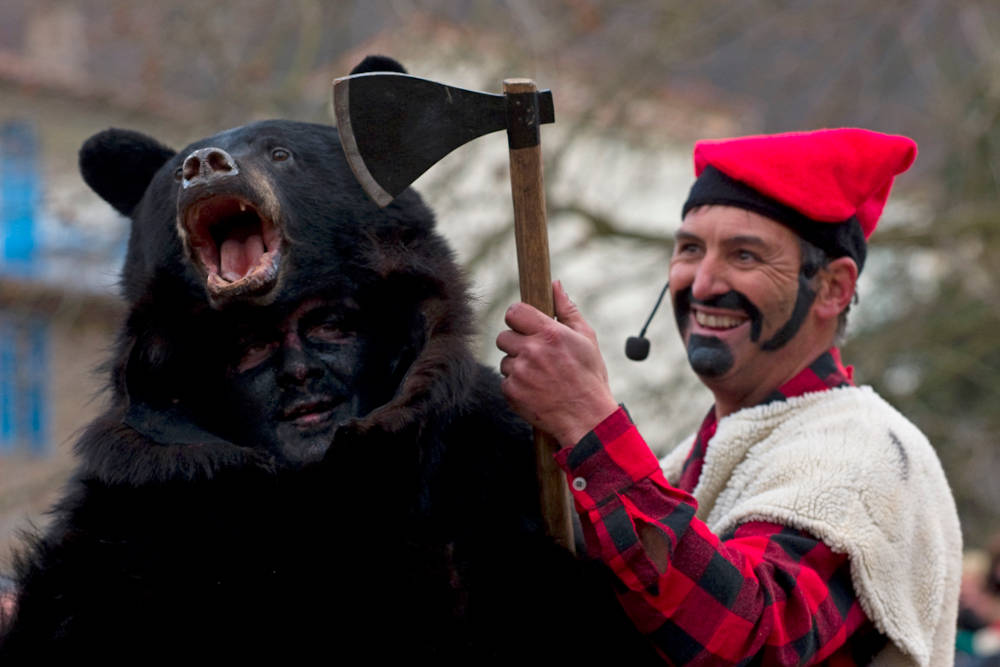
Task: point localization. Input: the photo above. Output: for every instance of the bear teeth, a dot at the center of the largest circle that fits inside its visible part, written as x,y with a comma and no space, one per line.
236,246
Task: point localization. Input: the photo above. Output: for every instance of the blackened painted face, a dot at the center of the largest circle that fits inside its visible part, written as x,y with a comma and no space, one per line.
291,382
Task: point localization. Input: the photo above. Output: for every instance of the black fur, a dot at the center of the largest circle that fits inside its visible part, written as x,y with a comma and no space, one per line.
417,536
119,164
376,63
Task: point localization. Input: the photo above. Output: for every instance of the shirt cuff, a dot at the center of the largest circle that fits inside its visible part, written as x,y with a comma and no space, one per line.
607,461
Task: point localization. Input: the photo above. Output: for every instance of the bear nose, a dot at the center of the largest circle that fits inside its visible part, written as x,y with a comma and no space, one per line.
207,165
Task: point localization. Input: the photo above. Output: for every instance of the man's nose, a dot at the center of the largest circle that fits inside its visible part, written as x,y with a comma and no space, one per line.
298,365
711,278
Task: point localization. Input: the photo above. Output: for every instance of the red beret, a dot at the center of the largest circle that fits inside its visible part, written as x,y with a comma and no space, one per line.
827,176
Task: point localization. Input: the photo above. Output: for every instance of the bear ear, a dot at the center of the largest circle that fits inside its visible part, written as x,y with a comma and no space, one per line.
119,164
378,64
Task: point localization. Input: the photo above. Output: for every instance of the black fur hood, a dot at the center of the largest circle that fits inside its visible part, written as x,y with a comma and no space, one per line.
338,244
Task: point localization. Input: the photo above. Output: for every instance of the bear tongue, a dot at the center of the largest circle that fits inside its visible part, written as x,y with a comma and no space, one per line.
239,256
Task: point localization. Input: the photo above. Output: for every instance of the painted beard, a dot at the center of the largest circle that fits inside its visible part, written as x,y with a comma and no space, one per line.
709,356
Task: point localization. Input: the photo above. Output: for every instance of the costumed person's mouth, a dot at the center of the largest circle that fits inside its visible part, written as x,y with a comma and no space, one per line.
723,312
709,355
310,412
718,321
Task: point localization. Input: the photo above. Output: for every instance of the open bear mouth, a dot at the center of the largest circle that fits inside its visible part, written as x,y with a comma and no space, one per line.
237,247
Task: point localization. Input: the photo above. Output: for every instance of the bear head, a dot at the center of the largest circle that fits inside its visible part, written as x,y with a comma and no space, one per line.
238,215
233,233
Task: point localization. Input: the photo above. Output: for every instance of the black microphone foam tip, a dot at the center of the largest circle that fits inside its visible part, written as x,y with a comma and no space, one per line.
637,348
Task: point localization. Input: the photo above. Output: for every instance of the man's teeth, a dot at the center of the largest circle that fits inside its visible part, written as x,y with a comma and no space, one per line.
717,321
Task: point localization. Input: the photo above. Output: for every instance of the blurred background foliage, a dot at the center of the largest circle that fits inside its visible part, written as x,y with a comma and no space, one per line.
634,83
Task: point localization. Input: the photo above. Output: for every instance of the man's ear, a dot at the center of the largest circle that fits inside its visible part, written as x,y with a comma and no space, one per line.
838,280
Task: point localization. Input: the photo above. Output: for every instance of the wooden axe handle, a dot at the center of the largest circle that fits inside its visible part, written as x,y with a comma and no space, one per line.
531,237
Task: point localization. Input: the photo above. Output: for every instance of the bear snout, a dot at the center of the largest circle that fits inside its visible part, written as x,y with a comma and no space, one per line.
206,166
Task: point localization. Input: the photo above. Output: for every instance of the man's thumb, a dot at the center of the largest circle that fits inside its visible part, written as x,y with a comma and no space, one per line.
566,310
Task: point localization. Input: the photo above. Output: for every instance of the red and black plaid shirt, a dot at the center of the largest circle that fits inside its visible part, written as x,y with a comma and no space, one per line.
765,594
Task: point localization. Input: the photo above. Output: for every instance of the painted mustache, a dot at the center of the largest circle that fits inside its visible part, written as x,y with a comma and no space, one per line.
731,300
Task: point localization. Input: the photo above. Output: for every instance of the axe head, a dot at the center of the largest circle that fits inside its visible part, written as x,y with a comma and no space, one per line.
394,126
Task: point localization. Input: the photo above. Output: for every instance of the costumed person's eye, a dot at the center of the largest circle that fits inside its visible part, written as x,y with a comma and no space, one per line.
329,332
253,353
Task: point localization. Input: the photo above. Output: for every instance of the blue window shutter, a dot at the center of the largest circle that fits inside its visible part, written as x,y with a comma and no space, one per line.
19,195
24,339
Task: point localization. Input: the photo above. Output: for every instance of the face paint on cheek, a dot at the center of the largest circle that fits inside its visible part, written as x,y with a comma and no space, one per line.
682,309
803,301
709,356
249,407
734,300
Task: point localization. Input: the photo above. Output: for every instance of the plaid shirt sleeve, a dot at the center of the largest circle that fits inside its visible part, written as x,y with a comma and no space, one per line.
766,591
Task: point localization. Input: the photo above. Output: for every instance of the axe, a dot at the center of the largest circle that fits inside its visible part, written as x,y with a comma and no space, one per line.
394,127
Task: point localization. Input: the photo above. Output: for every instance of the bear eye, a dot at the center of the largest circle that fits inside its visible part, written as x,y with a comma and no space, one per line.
280,154
178,174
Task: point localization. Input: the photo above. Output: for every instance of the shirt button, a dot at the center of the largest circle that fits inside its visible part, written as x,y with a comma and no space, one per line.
579,483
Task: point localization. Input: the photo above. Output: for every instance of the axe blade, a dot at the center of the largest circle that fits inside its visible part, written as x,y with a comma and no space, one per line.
394,126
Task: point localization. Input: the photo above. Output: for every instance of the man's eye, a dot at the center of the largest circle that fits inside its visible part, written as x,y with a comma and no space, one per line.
329,332
687,248
746,256
253,354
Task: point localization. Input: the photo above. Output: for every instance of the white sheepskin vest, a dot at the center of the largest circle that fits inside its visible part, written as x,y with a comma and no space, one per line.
849,469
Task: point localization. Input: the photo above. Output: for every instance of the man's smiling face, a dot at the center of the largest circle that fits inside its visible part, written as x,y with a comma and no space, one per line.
739,296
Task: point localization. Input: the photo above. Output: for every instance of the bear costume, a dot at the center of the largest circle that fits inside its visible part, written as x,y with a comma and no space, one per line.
402,522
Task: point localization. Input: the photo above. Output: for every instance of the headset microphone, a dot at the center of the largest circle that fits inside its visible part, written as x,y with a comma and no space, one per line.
637,347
